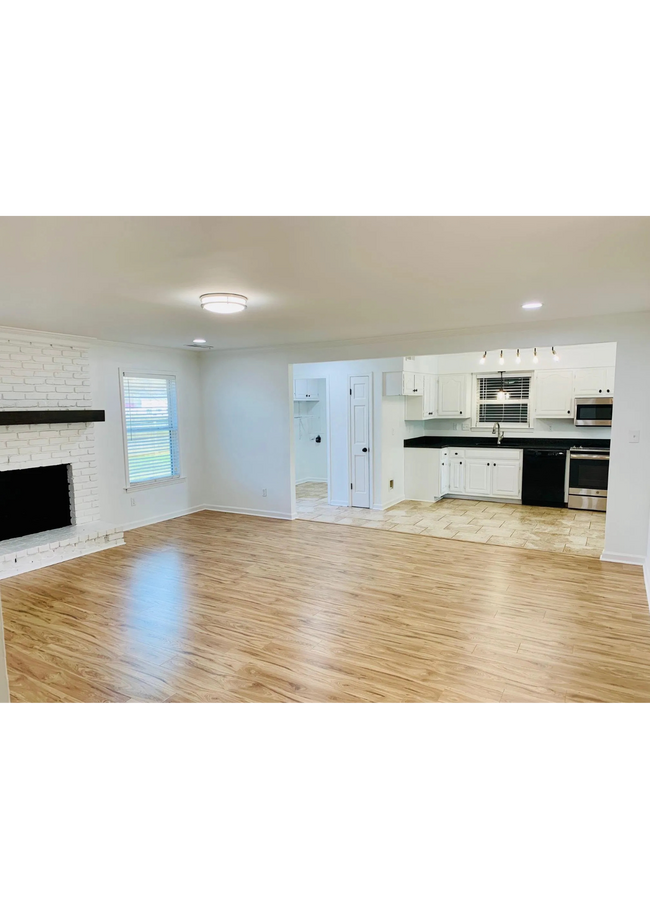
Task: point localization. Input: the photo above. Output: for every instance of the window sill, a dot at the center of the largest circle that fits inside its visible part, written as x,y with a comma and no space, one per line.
172,480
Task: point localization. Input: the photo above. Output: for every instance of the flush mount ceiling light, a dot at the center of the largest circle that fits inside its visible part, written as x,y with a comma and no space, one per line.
198,341
223,303
533,305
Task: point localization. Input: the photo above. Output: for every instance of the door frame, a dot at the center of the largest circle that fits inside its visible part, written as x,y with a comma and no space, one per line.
371,438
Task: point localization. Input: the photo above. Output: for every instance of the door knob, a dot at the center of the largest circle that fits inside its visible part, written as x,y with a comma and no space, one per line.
365,450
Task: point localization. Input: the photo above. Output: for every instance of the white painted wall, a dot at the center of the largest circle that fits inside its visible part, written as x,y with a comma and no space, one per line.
4,683
164,501
309,421
258,383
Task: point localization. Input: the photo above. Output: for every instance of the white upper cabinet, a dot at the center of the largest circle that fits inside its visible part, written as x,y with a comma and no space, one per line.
403,383
424,407
453,395
554,394
594,381
305,390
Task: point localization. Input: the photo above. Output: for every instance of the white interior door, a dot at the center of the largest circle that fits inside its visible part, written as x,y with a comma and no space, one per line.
360,441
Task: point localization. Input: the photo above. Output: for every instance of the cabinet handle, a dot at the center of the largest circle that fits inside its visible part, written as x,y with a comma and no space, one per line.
568,411
494,464
461,413
600,390
461,462
487,464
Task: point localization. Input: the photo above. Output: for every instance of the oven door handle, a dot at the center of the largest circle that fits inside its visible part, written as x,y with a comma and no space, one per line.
589,456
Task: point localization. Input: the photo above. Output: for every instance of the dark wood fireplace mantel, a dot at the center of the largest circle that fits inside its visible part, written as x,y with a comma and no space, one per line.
52,416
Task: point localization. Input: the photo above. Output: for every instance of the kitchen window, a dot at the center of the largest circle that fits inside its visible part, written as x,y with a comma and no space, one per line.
150,428
504,398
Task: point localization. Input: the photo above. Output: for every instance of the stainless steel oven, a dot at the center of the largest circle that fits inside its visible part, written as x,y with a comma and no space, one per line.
588,475
594,411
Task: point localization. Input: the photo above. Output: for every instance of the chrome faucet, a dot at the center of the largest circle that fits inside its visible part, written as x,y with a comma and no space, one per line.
496,429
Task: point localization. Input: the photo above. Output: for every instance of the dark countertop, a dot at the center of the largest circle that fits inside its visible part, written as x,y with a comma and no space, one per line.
514,443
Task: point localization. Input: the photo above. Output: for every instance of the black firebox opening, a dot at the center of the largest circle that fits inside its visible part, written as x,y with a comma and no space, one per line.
32,500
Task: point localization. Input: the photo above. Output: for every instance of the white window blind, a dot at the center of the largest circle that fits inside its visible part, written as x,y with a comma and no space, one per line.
509,411
151,425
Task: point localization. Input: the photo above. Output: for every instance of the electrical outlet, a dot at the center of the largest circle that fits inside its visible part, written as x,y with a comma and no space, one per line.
132,502
264,492
391,483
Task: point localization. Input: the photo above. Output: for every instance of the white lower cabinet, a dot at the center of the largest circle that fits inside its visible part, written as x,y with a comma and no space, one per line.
456,474
506,479
478,475
429,474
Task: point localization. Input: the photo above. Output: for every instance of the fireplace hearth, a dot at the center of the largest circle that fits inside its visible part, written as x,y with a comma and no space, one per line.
33,500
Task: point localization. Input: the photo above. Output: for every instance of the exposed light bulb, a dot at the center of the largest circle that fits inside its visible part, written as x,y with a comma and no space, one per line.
556,356
535,358
518,358
482,361
501,359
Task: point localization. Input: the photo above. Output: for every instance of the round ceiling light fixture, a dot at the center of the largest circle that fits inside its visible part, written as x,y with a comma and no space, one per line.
223,303
533,305
198,341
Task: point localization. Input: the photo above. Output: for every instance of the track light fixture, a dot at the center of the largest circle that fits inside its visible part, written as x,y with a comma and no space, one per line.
517,357
482,361
556,356
535,358
501,358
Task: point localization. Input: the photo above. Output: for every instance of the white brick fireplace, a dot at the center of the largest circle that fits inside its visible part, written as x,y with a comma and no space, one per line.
49,375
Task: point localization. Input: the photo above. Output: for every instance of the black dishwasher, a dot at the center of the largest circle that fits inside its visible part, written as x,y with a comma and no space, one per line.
543,479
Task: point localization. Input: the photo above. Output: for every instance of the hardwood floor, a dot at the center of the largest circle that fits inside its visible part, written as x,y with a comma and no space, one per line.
217,607
549,529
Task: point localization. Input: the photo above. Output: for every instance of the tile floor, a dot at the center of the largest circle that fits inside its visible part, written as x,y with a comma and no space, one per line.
546,528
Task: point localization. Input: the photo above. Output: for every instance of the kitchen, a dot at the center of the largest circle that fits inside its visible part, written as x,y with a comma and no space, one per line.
509,447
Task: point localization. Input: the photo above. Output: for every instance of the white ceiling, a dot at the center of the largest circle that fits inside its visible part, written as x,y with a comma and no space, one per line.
138,279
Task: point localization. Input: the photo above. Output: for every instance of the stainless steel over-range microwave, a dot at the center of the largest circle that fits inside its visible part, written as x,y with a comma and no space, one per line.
596,411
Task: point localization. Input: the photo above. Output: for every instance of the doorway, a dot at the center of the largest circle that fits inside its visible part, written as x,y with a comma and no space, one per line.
310,431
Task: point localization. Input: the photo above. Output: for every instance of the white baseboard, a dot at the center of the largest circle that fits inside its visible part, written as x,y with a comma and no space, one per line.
339,503
387,504
249,512
136,524
309,481
622,559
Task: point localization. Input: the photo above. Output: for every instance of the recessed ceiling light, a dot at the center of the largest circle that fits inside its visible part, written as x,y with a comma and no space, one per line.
223,303
199,341
535,305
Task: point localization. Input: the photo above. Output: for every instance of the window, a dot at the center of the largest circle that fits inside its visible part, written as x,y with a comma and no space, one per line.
151,427
491,406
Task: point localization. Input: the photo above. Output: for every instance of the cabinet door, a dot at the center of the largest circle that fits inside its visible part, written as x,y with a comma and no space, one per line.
456,476
300,389
506,479
609,381
554,394
452,395
430,395
590,382
444,473
418,384
408,383
478,476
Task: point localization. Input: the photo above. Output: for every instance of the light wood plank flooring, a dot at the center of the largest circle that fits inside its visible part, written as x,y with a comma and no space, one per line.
550,529
217,607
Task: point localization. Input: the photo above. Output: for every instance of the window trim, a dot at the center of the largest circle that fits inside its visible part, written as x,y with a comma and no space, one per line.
151,483
513,426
